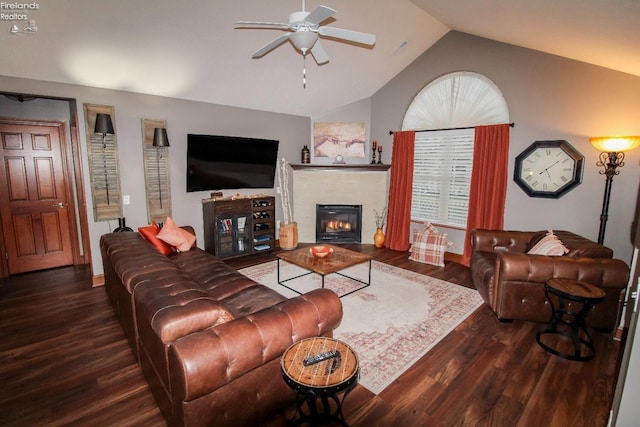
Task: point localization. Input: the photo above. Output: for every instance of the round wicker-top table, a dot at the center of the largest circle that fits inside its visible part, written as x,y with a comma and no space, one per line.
320,368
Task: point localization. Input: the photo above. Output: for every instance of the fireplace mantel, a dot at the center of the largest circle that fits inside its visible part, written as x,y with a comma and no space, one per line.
341,168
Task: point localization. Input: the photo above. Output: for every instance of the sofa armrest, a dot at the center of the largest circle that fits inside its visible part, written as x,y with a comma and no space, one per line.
500,240
602,272
204,361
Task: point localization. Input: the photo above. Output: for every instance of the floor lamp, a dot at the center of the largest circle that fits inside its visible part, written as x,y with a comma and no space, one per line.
612,151
160,140
104,127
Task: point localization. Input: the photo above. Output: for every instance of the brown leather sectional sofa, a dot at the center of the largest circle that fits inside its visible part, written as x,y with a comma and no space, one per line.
511,281
207,338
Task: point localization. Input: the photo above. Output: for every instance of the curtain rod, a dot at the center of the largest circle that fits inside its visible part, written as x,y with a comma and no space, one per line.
512,124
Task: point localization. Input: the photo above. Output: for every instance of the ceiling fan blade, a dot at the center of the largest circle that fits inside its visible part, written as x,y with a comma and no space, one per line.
319,54
353,36
255,24
270,46
320,14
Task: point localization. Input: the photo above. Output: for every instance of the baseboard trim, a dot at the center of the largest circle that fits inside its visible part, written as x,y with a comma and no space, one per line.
97,280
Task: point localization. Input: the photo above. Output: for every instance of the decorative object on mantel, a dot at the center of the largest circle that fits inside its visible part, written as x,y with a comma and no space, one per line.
155,143
288,227
379,154
305,155
339,160
331,139
103,162
611,158
374,146
381,218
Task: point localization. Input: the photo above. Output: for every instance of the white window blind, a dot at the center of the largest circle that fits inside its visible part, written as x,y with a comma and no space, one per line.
441,177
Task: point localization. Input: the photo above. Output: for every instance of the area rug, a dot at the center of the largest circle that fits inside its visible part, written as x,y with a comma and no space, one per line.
390,324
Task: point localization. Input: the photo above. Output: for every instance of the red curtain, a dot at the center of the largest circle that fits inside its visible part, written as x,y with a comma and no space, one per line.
400,187
488,182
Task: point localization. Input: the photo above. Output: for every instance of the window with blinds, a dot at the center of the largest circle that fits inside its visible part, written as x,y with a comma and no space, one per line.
441,177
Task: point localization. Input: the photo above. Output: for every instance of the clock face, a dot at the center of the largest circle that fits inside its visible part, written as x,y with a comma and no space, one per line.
548,169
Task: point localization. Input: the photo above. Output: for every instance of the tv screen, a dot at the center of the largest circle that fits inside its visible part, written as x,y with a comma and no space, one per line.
229,162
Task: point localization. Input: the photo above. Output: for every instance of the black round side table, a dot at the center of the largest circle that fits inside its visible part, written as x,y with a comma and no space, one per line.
573,301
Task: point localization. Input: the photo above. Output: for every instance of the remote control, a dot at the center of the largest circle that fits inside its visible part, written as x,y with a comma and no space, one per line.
320,357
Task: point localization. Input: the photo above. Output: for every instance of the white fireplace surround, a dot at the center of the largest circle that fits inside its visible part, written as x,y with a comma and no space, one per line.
364,185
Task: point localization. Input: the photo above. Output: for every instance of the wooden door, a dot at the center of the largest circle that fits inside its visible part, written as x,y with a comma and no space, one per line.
34,205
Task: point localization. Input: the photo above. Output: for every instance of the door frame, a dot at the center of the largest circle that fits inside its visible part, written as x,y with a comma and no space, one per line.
72,167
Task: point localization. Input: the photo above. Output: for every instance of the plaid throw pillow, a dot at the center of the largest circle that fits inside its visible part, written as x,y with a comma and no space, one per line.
549,245
429,247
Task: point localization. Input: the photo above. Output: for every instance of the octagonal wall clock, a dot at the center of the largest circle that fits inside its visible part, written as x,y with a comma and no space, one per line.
548,169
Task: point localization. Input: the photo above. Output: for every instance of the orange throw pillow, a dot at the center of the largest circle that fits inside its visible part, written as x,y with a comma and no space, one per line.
181,239
149,233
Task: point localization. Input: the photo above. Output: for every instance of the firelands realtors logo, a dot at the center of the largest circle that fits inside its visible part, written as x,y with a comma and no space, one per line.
16,12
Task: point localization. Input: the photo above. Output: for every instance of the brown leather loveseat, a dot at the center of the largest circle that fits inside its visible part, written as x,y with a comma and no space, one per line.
511,282
207,338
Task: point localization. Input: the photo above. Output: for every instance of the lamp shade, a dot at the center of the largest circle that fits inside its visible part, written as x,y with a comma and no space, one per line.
615,144
103,124
160,138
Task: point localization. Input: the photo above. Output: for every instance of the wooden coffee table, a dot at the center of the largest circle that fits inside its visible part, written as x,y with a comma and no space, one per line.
340,259
322,380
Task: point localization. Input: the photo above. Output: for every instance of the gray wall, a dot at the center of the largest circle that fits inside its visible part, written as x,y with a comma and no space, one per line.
549,98
182,117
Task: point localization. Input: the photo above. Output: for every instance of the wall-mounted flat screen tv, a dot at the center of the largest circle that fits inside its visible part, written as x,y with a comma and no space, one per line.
217,162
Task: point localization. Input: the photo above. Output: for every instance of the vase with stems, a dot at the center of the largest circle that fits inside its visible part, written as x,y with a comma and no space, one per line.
288,227
381,218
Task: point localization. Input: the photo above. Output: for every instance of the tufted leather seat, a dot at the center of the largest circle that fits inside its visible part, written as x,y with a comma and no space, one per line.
511,281
207,338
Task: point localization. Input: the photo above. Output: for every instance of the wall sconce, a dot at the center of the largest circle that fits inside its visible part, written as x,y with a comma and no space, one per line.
612,151
104,126
160,140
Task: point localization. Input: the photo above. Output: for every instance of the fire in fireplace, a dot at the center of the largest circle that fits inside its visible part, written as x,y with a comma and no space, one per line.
338,223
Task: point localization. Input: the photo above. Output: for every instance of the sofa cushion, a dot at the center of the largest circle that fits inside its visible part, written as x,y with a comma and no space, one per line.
429,247
175,236
150,233
581,247
539,235
549,245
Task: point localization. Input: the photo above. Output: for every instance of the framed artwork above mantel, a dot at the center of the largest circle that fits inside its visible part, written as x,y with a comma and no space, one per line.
339,143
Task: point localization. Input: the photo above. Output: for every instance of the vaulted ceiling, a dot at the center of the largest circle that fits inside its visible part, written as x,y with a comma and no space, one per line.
190,49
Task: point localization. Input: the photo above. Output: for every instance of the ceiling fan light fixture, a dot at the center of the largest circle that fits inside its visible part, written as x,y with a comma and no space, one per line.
304,40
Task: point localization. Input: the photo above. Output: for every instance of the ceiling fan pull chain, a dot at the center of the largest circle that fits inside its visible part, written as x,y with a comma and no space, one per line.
304,71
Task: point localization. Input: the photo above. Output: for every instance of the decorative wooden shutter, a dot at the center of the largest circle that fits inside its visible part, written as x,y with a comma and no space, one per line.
156,173
103,166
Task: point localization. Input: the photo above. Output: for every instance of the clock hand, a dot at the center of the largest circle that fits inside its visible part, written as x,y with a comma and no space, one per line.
549,167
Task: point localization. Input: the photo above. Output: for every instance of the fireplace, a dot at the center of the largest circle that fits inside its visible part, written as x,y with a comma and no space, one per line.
338,223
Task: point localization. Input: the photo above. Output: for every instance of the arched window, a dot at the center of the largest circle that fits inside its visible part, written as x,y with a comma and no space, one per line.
444,158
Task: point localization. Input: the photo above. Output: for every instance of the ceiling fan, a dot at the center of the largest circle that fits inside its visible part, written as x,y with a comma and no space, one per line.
304,29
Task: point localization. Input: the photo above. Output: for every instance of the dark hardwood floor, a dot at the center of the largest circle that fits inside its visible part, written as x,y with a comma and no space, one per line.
65,361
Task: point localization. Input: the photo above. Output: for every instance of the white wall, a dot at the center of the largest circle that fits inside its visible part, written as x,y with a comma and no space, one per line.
549,98
182,117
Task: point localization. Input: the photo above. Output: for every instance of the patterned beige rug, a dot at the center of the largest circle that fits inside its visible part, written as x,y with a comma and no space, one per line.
390,324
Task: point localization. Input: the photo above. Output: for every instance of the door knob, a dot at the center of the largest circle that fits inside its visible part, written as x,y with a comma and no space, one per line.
59,205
